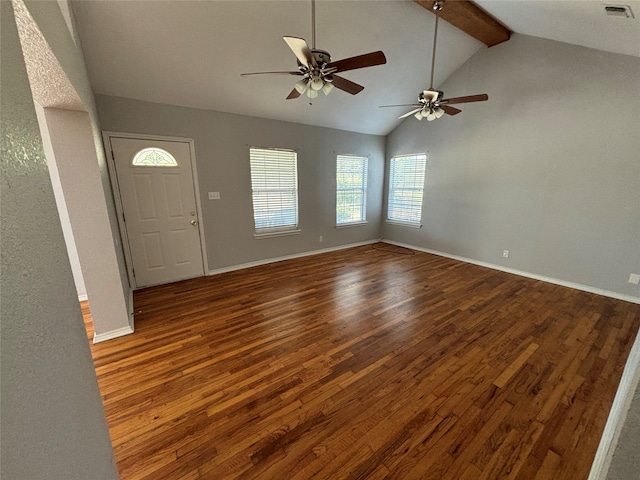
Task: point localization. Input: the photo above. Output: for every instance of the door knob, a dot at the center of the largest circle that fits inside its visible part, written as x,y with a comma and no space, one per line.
194,222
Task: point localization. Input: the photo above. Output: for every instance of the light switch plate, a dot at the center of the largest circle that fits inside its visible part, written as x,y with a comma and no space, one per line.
214,195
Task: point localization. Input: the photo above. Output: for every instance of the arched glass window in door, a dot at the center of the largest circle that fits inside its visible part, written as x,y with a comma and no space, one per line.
154,157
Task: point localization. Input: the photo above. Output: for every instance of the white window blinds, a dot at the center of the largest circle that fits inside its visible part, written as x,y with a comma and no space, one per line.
351,189
406,188
274,184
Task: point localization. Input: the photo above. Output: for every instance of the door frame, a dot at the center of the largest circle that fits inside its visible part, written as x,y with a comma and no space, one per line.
113,176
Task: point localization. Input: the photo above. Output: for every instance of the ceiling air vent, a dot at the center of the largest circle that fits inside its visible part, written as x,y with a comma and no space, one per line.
618,11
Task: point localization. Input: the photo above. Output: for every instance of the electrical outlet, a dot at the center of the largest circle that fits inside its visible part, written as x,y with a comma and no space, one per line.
505,253
321,239
214,195
634,278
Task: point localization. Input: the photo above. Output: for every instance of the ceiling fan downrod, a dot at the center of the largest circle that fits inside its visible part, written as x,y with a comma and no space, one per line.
437,6
313,24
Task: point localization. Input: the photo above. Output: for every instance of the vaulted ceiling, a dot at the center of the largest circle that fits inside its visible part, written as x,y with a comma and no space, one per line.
191,53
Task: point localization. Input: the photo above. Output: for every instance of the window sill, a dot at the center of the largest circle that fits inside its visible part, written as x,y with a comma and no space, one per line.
352,224
404,224
284,233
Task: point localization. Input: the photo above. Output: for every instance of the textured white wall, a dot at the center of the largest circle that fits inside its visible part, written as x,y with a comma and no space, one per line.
548,168
53,423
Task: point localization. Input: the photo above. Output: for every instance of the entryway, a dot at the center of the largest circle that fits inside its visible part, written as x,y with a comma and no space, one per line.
158,208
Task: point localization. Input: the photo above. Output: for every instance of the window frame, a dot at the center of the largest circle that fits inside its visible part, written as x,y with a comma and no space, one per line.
408,185
362,189
276,179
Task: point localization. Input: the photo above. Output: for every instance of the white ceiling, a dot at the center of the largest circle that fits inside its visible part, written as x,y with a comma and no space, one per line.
192,53
579,22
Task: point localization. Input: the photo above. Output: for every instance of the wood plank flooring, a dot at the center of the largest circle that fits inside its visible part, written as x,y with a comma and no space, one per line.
368,363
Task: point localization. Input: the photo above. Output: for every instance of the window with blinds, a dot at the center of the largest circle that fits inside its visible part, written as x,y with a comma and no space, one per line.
274,184
351,189
406,189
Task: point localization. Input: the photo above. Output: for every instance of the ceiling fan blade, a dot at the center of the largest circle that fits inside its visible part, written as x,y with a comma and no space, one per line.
403,105
294,94
346,85
301,50
270,73
471,98
450,110
408,114
360,61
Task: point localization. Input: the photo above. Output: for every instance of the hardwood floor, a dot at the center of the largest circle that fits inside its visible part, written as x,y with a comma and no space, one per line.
373,362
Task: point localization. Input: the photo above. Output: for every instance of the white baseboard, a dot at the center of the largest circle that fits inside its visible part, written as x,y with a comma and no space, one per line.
83,298
119,332
618,414
535,276
289,257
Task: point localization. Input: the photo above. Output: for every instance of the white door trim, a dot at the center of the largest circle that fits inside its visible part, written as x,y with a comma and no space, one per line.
107,136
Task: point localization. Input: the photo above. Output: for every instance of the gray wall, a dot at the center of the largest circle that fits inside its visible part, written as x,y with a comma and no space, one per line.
71,154
53,423
548,168
61,203
222,143
51,22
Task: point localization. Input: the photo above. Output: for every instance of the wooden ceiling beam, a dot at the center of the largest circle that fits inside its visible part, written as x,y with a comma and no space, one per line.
471,19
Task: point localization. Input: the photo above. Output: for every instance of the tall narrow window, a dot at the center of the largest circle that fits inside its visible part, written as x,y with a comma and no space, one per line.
351,189
406,189
274,184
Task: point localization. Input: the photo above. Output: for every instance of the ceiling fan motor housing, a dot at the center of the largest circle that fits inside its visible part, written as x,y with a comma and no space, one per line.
430,96
322,58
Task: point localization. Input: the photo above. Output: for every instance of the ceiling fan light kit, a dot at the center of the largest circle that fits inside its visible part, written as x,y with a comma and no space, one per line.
327,87
316,83
429,113
301,86
317,70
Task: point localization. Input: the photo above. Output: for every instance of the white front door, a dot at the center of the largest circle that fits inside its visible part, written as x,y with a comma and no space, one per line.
159,206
